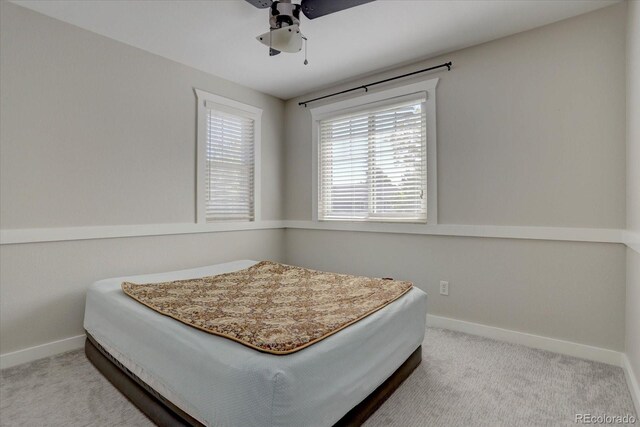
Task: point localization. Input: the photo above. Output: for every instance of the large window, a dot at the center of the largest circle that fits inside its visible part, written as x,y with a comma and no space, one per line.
372,162
375,157
227,135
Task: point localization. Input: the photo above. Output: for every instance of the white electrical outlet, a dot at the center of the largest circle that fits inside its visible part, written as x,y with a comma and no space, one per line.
444,288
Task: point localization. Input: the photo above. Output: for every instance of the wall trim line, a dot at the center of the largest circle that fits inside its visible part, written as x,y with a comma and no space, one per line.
39,235
632,382
49,349
632,240
571,234
568,348
598,235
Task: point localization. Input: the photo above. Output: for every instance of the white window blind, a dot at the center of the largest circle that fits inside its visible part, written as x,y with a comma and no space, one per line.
373,164
229,167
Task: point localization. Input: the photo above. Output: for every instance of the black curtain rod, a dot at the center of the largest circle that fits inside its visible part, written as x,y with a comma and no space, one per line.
367,86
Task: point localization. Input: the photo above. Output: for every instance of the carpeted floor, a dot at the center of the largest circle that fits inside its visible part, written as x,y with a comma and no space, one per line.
463,380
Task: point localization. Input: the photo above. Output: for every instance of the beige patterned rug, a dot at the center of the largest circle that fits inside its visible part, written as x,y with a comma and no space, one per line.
270,307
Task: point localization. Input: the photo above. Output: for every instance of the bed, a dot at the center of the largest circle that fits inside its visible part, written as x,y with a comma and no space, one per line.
179,375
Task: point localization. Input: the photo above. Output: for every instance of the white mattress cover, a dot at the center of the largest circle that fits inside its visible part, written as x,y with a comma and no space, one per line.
223,383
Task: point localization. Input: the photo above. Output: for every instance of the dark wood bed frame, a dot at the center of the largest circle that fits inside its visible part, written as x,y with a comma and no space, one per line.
165,414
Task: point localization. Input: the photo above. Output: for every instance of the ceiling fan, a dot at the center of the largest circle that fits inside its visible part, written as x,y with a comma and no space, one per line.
284,21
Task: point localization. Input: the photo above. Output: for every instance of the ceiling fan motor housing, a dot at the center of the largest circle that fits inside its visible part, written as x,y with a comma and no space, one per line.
283,13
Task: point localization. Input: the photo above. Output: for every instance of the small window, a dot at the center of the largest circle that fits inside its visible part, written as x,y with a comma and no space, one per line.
227,135
372,163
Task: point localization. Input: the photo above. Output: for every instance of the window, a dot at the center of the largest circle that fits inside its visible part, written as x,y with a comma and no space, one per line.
227,152
373,157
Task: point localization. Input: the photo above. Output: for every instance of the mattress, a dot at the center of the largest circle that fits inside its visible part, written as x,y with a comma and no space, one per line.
223,383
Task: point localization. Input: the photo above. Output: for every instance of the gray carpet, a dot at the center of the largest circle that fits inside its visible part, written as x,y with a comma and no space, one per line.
463,380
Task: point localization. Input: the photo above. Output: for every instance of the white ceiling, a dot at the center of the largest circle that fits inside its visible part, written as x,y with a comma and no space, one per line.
219,36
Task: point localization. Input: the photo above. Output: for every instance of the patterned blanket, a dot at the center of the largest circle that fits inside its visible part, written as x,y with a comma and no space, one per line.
270,307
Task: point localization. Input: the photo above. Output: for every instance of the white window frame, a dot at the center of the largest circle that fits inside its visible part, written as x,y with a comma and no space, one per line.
233,107
381,97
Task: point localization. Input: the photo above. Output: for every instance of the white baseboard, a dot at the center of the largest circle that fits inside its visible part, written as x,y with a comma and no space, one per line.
544,343
612,357
597,354
632,382
30,354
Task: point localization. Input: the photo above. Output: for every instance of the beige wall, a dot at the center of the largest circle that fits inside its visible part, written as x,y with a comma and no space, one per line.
633,186
566,290
44,284
530,129
95,132
530,133
632,347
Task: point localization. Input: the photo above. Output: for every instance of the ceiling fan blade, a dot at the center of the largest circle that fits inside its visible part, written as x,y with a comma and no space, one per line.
316,8
260,4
